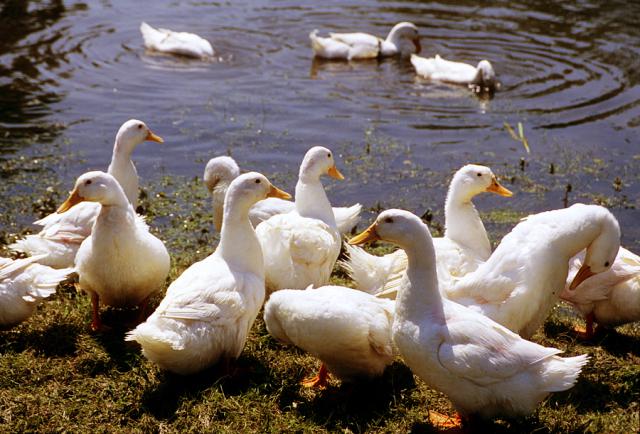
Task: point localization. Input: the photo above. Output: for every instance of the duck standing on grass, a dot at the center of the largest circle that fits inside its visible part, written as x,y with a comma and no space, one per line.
465,244
62,233
403,39
486,370
301,247
121,263
208,311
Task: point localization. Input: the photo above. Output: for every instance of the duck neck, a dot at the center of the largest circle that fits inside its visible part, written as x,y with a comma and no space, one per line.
463,224
116,210
239,244
312,201
217,197
388,47
419,294
577,233
123,169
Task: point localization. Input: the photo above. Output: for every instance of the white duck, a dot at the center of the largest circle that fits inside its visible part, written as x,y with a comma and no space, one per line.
301,247
121,263
23,285
485,369
465,244
482,77
219,173
348,330
402,39
610,298
58,242
182,43
208,311
522,280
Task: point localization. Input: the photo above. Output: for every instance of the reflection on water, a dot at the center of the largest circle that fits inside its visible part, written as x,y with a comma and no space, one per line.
569,73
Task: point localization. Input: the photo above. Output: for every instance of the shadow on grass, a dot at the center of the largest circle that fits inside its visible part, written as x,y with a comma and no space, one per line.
55,341
609,339
353,405
618,344
163,399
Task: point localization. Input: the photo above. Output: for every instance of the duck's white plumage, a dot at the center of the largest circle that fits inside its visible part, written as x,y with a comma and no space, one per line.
402,39
522,280
610,298
182,43
485,369
219,173
208,311
438,69
348,330
121,263
301,247
23,285
465,244
62,233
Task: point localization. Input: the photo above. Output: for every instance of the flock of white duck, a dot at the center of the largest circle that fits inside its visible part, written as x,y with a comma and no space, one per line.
458,314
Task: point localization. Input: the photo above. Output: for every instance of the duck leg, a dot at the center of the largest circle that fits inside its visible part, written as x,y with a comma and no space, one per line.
587,332
142,307
320,380
96,323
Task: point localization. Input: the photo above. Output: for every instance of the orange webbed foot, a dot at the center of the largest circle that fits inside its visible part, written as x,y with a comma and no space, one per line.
320,380
451,424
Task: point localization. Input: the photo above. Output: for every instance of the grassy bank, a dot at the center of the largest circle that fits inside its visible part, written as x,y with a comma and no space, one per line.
57,376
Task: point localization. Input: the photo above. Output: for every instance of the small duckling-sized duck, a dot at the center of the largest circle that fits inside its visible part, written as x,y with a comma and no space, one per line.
403,39
485,369
207,313
121,263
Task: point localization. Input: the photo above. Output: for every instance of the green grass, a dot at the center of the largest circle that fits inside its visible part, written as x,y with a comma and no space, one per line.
57,376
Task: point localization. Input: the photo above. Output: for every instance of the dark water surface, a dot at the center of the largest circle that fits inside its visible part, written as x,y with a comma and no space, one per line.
570,72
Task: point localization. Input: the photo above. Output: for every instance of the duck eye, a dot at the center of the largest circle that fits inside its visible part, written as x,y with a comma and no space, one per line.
87,182
388,220
139,126
257,181
606,264
479,174
329,155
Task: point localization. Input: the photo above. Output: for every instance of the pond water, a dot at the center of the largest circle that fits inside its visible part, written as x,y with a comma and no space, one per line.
72,72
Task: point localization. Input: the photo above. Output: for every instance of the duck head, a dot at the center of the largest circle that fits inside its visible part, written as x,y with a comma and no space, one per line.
131,134
220,171
396,226
318,161
95,187
485,79
473,179
602,251
249,188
